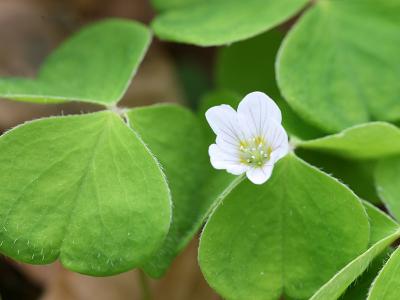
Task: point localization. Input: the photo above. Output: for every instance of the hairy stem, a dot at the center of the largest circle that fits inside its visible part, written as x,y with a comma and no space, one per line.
234,183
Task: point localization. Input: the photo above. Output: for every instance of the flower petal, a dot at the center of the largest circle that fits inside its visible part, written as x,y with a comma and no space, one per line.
224,122
277,138
221,159
237,169
260,175
226,146
258,109
278,153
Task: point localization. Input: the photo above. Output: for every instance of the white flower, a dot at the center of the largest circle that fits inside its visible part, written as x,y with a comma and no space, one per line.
250,140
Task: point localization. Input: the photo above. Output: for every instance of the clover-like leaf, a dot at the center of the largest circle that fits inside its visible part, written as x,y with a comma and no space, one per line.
83,189
382,234
162,5
210,23
387,182
277,238
336,69
381,225
366,141
175,137
95,65
249,66
339,283
356,174
358,290
387,284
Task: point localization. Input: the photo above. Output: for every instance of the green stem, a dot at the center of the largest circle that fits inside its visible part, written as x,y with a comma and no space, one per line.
234,183
294,142
144,286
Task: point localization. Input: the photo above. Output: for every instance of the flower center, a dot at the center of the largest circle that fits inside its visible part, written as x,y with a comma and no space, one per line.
254,152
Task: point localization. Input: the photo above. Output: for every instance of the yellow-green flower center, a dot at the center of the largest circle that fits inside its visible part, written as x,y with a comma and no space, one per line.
255,152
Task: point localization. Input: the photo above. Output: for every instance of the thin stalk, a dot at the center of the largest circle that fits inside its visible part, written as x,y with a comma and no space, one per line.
144,286
234,183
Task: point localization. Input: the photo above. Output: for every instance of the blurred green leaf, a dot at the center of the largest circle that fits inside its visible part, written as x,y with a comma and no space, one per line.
95,65
357,174
294,125
248,66
387,285
358,290
382,234
366,141
387,178
210,23
381,225
175,137
340,64
83,189
194,79
342,280
264,240
162,5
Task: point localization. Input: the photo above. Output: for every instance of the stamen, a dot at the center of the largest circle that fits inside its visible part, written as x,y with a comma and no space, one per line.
254,151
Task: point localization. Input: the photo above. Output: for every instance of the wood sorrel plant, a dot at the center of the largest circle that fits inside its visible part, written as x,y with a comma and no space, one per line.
87,189
107,192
